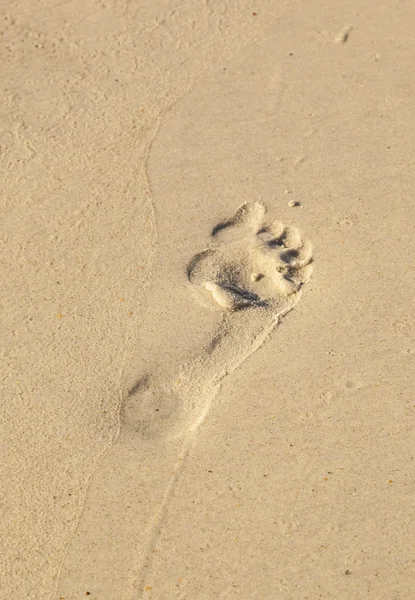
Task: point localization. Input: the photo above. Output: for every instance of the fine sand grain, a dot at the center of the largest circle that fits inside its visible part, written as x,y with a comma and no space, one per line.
174,423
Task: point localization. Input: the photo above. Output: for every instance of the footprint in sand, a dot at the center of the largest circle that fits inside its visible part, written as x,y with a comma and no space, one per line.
250,267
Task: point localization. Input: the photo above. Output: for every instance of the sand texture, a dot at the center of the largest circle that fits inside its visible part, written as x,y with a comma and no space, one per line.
207,245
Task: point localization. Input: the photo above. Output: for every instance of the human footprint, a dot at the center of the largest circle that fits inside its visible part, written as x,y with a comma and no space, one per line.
252,271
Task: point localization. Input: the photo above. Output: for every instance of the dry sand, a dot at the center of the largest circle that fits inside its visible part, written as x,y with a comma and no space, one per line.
168,430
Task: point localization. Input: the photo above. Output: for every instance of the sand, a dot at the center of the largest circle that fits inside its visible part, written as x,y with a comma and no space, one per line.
185,412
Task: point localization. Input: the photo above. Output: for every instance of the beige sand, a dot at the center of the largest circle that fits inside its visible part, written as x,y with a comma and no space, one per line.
281,469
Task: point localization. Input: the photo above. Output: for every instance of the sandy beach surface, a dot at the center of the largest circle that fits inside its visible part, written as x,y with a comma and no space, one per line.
188,409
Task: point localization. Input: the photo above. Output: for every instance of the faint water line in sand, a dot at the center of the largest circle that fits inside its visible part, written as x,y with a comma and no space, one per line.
146,284
152,260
